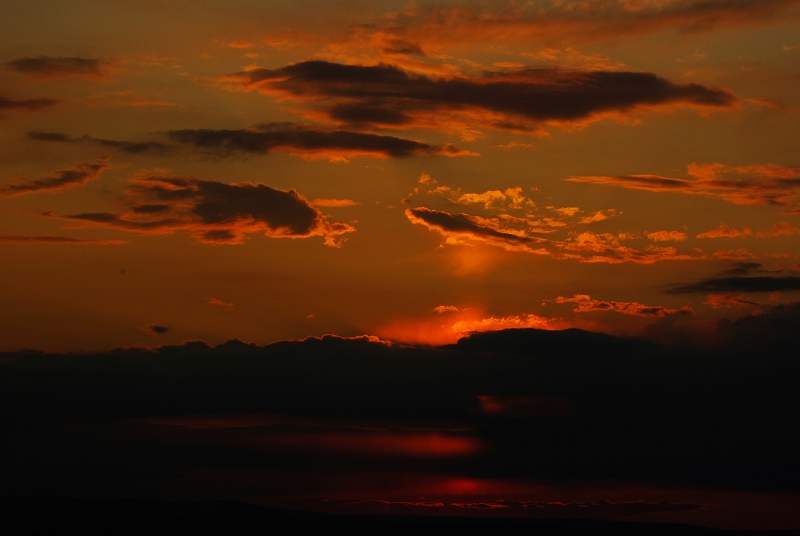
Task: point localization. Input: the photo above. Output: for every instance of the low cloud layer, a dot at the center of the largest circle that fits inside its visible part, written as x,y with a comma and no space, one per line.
216,212
516,100
46,67
60,180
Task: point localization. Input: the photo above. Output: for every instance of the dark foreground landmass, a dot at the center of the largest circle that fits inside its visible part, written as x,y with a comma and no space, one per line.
61,515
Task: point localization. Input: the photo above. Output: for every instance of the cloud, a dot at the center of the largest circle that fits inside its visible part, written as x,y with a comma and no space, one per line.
26,104
337,203
667,236
511,220
155,329
780,229
725,232
219,303
585,304
130,147
60,180
51,239
729,300
305,140
446,25
458,227
765,184
216,212
48,67
516,100
735,284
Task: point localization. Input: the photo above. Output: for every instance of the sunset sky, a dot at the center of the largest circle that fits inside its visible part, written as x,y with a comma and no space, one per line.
410,171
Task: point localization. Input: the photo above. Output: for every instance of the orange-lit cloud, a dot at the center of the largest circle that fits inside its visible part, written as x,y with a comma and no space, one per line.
216,212
302,139
767,184
335,203
667,236
452,323
585,304
48,67
729,300
60,180
591,247
51,239
219,303
458,228
524,407
780,229
386,95
726,232
555,21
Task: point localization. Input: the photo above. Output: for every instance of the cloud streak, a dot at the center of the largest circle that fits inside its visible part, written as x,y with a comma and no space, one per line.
30,105
52,239
766,184
216,212
585,304
60,180
305,140
49,67
130,147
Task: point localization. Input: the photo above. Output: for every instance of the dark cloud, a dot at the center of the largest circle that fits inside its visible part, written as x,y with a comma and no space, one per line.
51,239
57,181
59,67
533,95
307,140
155,329
740,284
130,147
26,104
216,212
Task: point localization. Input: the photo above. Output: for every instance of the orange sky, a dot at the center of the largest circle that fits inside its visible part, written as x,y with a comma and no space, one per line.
269,171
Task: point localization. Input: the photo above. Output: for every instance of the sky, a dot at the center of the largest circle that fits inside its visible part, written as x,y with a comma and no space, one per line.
405,175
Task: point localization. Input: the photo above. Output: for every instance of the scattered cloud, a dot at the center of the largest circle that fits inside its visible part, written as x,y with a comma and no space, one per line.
60,180
727,284
517,100
725,232
49,67
216,212
666,236
585,304
780,229
445,309
765,184
305,140
718,301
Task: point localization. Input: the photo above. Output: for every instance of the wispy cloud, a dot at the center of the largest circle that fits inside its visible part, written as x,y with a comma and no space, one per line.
47,67
130,147
52,239
764,184
60,180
